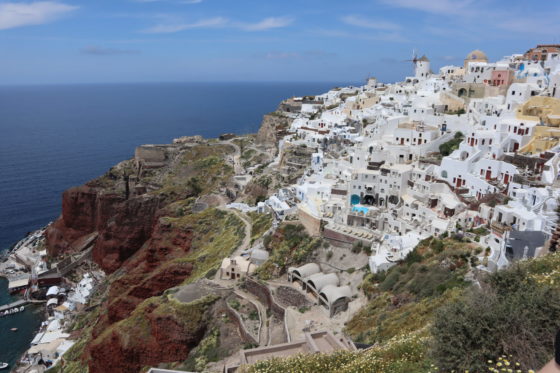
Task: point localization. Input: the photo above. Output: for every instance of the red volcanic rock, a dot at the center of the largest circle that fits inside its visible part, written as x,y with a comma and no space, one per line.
78,219
148,273
163,338
123,225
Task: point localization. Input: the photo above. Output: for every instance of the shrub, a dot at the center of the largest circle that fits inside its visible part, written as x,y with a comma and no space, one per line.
412,257
357,247
234,303
253,315
510,314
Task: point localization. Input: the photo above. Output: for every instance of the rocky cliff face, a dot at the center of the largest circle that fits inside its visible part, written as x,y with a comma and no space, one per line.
123,225
149,242
273,127
161,330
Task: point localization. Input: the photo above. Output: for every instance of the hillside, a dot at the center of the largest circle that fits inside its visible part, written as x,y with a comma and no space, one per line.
434,312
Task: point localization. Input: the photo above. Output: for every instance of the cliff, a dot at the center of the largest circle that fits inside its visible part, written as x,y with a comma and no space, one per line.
274,126
162,329
152,237
123,225
123,209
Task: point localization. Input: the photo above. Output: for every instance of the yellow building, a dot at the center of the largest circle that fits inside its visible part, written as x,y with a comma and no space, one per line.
547,111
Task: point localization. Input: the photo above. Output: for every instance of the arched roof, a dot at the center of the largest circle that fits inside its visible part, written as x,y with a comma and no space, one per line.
333,293
306,269
319,280
477,55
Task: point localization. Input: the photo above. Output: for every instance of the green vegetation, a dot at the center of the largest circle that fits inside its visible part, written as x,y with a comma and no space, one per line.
508,322
216,234
289,245
433,267
234,303
199,170
253,315
456,112
516,312
206,351
261,223
448,147
400,355
480,231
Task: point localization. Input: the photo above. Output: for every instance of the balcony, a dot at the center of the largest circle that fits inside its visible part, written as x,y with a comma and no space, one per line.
499,227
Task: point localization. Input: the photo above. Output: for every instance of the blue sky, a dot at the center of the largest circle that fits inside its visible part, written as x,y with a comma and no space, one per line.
75,41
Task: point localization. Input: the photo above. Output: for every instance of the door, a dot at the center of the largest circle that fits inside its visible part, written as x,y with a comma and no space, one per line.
488,174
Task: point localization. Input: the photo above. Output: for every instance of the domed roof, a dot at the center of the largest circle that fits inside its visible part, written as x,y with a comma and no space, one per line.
477,55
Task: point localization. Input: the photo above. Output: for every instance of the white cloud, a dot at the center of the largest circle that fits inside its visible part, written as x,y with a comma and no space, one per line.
176,27
266,24
367,23
170,1
36,13
308,54
381,36
103,51
450,7
171,25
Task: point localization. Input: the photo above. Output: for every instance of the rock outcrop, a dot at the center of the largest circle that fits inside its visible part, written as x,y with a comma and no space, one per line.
273,127
161,330
123,225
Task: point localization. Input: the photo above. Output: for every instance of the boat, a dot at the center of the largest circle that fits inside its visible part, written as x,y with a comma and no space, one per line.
14,329
3,365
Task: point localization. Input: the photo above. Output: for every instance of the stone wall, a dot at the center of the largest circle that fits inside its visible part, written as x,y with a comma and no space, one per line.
312,224
236,318
149,153
338,237
265,296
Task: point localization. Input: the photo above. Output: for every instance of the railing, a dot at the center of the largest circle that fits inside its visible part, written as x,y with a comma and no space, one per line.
499,227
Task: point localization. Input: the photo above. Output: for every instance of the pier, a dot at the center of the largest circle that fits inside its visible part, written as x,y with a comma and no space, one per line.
16,304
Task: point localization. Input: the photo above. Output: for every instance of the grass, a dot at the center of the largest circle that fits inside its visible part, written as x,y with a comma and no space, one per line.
289,245
216,234
261,223
403,354
448,147
199,170
508,322
384,318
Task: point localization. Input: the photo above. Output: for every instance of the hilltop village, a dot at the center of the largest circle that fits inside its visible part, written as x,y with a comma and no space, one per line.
345,214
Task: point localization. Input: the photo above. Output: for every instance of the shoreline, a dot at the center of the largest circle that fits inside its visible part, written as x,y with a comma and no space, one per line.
25,269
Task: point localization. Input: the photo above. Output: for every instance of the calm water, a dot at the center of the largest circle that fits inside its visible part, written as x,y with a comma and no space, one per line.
55,137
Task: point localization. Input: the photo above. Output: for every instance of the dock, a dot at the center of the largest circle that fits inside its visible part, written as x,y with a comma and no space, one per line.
15,304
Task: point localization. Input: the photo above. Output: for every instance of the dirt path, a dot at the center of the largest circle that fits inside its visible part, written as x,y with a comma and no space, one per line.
246,244
264,330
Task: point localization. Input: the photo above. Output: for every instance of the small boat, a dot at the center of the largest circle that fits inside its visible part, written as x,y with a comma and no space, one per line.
3,365
14,329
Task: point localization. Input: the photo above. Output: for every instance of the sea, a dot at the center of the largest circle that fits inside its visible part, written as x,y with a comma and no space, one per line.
53,137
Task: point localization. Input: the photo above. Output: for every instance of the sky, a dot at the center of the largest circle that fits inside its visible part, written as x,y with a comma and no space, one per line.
114,41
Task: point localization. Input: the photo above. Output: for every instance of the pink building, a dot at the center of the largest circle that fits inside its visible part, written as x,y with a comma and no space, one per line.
501,78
